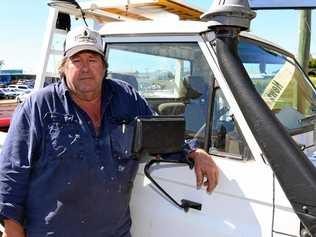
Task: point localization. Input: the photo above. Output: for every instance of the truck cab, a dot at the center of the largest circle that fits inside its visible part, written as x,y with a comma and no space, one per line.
169,56
172,67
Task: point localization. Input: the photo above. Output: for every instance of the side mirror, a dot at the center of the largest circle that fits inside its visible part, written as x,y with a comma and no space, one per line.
162,135
158,135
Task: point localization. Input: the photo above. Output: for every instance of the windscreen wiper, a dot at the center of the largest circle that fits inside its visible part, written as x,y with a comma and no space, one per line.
308,120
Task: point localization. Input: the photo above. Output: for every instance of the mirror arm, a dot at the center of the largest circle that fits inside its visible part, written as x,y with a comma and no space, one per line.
185,204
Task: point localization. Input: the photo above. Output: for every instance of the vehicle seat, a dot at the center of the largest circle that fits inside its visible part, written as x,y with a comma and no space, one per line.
196,111
124,77
172,108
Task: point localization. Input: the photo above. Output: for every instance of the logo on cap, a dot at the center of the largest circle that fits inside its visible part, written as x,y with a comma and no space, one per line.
86,37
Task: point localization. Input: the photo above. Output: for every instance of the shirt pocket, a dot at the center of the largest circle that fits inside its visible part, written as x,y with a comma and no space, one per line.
122,135
62,134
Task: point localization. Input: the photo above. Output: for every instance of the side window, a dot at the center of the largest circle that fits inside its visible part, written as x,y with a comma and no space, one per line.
174,78
226,138
154,73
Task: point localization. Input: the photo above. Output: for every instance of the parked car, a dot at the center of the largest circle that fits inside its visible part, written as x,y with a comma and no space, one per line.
4,124
7,94
20,88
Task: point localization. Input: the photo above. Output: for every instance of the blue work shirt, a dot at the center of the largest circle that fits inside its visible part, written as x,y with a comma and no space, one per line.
57,177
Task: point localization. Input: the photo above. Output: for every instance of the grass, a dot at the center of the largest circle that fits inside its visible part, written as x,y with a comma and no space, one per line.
313,79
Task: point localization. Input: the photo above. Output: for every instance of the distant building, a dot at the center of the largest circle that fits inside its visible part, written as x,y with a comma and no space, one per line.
13,76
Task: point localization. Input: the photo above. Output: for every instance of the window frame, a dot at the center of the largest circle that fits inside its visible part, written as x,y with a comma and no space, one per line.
173,38
224,154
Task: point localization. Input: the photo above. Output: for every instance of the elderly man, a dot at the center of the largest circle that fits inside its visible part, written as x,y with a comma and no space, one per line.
60,166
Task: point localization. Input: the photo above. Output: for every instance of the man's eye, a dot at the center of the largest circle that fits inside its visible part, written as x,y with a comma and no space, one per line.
76,60
92,60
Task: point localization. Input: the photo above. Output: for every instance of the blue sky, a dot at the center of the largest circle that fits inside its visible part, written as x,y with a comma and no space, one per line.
23,23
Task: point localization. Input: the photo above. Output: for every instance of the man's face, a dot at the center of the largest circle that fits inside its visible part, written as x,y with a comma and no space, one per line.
84,73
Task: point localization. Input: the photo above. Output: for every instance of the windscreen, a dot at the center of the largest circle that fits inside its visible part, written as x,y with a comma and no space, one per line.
281,84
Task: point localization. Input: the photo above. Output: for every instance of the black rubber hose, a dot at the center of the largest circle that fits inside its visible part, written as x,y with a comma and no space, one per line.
295,172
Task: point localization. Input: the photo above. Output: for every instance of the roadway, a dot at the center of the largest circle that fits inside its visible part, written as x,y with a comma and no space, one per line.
7,108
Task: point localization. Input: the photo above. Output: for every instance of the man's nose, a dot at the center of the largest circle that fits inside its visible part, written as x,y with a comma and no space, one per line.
85,66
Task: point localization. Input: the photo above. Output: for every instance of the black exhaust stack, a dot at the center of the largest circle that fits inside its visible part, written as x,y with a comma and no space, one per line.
295,173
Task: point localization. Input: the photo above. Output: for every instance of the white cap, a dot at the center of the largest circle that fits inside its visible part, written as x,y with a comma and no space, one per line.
82,38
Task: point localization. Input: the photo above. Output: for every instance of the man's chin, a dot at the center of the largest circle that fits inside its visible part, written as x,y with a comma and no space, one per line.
89,88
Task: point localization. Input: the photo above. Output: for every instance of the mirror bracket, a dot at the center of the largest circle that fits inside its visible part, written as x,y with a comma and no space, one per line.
185,204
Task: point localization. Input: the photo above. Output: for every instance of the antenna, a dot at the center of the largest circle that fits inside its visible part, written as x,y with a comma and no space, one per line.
127,7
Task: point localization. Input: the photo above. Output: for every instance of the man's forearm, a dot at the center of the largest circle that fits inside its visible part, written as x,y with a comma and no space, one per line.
13,229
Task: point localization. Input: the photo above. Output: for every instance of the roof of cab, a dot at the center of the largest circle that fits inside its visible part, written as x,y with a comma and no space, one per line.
153,27
145,17
171,27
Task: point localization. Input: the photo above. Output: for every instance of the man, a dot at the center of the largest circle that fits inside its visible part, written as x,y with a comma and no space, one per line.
66,167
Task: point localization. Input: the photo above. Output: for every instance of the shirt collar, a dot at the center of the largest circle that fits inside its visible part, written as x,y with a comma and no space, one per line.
63,88
107,93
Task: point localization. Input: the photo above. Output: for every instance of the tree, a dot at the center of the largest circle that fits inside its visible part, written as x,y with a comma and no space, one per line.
1,63
312,63
305,38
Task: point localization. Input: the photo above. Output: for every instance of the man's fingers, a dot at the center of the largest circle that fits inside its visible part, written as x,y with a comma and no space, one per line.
210,183
199,176
205,169
207,179
212,178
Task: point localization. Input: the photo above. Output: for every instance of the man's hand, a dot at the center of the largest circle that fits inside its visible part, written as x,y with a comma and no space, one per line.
205,168
13,229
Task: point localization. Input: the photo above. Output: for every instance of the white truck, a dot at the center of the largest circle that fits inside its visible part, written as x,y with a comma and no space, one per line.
246,101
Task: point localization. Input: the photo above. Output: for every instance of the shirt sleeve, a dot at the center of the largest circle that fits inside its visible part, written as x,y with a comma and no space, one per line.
15,164
144,108
189,146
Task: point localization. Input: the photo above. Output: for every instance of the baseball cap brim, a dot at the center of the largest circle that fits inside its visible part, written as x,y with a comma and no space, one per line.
80,48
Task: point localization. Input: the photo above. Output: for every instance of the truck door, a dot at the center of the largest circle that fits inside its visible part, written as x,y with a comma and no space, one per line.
291,97
176,79
284,88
